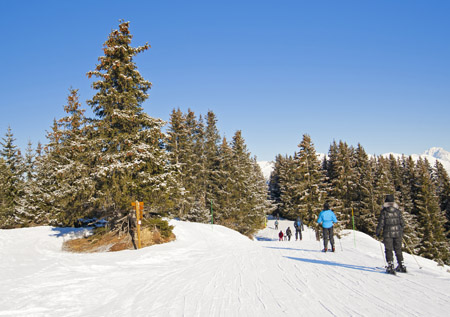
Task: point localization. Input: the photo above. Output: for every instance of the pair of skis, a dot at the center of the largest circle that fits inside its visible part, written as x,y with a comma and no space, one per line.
391,272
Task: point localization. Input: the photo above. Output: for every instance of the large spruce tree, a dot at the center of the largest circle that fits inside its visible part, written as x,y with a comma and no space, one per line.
343,182
364,205
442,183
310,180
431,219
129,156
12,181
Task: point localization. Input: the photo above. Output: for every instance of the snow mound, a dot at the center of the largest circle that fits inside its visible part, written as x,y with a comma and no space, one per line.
211,270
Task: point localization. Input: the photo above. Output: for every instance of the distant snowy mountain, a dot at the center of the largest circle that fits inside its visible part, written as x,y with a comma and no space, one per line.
266,168
438,153
432,155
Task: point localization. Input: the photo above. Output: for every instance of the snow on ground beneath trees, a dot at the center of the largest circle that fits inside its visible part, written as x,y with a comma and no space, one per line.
214,271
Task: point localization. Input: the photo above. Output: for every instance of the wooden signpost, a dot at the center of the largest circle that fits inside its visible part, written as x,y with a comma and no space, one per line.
139,206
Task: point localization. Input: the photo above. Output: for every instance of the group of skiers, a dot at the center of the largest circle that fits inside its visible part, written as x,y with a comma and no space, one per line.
390,222
298,225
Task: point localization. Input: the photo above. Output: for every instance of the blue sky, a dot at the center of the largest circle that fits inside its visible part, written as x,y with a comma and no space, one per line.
369,72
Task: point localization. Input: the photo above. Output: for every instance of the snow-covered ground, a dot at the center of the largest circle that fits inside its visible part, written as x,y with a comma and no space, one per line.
214,271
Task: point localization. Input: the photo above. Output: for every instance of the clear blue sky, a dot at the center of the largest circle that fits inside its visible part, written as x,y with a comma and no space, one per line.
373,72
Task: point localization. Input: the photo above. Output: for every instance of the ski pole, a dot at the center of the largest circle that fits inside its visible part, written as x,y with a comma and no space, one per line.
382,255
407,246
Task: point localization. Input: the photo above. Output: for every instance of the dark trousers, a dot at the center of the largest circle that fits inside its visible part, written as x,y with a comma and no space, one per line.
393,244
298,234
328,235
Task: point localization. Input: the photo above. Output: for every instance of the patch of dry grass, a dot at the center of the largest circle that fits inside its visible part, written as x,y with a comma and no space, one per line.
109,242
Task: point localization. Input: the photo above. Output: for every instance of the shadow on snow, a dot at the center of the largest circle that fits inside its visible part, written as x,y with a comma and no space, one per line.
294,249
331,263
265,239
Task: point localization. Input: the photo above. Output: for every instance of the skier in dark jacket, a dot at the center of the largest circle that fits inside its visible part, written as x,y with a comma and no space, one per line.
298,225
327,218
289,233
392,224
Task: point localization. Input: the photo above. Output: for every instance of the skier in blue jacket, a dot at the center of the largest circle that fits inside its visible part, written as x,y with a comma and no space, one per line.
327,218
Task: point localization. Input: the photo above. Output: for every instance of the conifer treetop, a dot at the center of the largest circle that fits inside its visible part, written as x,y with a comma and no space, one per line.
121,88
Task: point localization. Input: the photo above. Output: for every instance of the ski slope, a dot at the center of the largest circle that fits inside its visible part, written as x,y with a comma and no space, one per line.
213,271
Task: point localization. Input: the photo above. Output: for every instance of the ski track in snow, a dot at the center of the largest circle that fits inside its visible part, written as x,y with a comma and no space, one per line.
214,271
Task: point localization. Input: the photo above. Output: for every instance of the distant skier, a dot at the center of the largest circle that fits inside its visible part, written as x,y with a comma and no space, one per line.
327,218
280,235
392,224
288,233
276,224
298,225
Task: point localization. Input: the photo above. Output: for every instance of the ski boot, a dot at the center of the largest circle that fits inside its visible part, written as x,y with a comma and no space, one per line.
401,268
390,268
324,250
332,249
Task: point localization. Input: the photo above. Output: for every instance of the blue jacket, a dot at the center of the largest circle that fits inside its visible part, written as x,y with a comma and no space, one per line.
327,218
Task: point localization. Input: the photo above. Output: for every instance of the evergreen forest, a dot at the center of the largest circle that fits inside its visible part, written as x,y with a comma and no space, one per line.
94,168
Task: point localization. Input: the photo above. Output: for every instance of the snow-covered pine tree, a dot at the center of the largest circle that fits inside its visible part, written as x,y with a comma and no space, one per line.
130,160
330,165
396,174
76,186
274,184
343,182
41,199
29,162
5,174
248,204
260,204
13,181
211,158
310,180
288,191
226,183
364,204
383,181
408,192
196,168
182,141
431,219
178,147
24,201
442,183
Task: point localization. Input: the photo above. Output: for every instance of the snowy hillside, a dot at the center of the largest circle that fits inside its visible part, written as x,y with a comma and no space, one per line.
214,271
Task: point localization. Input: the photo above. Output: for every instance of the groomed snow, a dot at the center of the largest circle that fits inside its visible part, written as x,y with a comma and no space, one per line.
214,271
